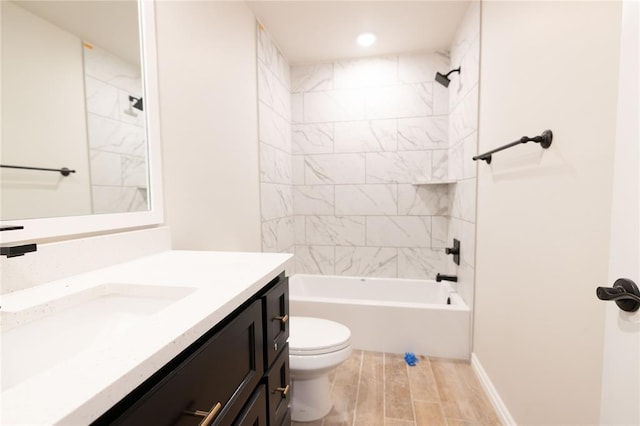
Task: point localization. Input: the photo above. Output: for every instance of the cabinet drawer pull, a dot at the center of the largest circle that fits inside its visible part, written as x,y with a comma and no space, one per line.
208,415
284,391
282,319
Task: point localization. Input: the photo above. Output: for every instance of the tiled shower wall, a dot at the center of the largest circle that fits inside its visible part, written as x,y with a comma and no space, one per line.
463,141
274,124
363,131
117,140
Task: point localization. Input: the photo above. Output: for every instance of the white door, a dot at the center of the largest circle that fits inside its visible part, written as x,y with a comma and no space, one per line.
621,364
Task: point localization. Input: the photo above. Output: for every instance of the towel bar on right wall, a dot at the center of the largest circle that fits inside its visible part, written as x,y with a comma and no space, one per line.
544,140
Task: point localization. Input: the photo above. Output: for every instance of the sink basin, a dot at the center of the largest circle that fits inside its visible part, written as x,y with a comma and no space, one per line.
40,337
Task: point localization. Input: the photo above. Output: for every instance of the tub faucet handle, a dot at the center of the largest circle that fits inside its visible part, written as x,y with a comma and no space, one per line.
455,251
451,278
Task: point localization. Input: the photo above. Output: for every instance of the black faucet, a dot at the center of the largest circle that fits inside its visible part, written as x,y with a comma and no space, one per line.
441,277
15,251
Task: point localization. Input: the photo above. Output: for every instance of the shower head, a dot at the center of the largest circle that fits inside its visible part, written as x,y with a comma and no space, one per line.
444,79
135,102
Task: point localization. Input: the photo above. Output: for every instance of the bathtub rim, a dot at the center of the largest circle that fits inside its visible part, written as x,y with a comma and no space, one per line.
457,302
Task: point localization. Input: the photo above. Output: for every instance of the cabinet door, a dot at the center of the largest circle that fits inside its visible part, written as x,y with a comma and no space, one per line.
218,378
279,388
287,419
255,412
276,319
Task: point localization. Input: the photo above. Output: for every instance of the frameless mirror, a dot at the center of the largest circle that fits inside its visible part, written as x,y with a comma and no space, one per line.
79,117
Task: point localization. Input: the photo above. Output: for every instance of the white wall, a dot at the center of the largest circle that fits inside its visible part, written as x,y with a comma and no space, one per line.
43,118
208,98
543,215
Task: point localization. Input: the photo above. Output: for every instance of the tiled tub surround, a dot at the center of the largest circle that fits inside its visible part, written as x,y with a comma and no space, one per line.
463,142
363,131
117,140
274,124
103,370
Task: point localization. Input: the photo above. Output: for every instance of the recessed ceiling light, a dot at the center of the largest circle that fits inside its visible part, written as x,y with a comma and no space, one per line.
366,39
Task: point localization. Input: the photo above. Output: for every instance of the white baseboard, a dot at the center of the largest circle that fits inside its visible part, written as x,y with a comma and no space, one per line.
498,404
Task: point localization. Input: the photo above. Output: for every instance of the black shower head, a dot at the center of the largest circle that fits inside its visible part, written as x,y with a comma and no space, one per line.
444,79
136,102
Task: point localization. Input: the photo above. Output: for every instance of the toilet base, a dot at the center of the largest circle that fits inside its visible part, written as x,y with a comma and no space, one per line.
310,398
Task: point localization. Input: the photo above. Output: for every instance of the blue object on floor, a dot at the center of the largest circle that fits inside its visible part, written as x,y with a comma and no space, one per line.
410,358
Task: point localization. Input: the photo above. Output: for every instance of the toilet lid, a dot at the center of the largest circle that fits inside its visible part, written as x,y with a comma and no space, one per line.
316,336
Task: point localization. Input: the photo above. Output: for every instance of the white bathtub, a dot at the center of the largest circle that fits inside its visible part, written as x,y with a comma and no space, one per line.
388,314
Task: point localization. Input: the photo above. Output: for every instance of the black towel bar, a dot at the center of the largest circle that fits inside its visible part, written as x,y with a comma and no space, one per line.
544,140
63,171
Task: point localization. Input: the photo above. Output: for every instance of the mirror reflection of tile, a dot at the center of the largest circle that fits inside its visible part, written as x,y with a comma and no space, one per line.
116,128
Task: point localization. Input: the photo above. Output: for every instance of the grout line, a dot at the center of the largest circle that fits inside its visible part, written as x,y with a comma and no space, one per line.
413,407
444,416
384,387
355,405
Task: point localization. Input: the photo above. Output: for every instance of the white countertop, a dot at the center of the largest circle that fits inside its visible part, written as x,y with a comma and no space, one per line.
80,389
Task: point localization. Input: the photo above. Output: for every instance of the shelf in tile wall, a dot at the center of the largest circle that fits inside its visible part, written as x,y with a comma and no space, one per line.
433,182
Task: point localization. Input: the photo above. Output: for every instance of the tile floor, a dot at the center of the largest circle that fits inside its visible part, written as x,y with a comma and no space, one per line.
380,389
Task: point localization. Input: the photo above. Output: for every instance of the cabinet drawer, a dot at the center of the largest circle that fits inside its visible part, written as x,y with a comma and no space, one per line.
279,388
255,412
276,319
222,373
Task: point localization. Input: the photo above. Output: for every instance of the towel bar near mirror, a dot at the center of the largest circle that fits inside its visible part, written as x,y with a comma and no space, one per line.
64,171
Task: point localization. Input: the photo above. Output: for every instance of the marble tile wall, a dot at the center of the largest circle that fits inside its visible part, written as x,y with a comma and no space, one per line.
274,128
117,140
463,142
362,131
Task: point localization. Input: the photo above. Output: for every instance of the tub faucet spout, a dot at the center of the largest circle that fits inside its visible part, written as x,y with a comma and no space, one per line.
451,278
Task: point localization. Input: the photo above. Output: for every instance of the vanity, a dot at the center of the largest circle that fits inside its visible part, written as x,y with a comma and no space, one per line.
180,337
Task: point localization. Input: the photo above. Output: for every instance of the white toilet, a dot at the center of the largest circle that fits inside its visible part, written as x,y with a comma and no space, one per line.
316,346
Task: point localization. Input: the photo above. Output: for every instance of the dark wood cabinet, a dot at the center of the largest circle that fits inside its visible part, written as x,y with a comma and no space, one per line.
255,413
276,319
236,374
279,387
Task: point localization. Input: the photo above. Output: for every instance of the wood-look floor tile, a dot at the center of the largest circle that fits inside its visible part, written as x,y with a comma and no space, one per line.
449,388
398,404
396,422
429,414
456,422
479,403
423,384
375,389
344,392
370,404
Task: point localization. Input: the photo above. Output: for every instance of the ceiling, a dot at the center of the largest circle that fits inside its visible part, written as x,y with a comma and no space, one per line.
321,31
111,25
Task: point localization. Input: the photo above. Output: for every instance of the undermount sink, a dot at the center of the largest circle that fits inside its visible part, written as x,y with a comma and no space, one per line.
38,338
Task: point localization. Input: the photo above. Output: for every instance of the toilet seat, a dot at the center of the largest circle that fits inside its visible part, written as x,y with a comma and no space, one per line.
317,336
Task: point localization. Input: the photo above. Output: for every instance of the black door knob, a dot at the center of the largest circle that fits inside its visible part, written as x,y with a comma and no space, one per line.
624,292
